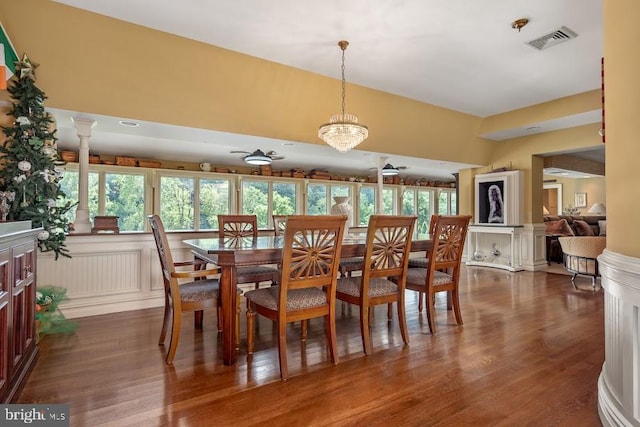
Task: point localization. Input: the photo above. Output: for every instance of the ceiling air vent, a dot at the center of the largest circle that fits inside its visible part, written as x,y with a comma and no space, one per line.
553,38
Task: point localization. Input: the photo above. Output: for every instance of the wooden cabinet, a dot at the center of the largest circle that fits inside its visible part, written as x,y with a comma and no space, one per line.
18,349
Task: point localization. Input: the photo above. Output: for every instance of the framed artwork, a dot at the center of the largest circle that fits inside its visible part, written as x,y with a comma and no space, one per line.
581,200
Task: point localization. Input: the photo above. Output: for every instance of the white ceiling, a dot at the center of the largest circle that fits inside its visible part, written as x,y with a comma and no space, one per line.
457,54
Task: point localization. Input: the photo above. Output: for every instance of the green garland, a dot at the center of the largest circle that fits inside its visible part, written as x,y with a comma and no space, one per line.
50,318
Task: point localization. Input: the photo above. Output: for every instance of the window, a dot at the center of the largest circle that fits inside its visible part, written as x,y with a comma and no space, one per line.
366,204
213,201
69,185
109,193
447,202
177,202
317,199
265,198
193,203
320,197
124,198
418,202
388,201
284,198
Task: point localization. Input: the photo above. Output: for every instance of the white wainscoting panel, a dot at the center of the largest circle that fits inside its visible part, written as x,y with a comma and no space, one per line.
110,273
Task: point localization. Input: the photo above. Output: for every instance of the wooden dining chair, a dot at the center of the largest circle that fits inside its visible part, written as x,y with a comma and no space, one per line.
312,246
383,274
279,224
423,261
443,270
242,227
199,293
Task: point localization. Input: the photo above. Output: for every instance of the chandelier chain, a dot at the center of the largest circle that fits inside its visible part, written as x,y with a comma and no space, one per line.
344,84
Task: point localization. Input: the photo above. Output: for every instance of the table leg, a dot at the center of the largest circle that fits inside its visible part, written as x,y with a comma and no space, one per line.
228,295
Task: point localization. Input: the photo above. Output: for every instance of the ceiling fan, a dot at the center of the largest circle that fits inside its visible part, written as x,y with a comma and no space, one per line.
259,157
389,170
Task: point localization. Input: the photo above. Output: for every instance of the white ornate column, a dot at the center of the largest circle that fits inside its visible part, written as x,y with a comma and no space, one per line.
619,383
83,129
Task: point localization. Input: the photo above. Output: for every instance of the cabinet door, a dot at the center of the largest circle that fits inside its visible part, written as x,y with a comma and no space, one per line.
5,315
23,301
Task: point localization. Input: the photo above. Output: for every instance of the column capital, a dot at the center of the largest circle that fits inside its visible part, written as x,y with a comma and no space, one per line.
83,126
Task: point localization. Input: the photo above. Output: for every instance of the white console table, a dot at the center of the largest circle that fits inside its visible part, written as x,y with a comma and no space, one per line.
495,246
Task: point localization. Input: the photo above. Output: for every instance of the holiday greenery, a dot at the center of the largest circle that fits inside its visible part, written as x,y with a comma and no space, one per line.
50,318
29,177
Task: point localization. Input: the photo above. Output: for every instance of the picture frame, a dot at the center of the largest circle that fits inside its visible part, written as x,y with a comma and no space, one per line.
581,200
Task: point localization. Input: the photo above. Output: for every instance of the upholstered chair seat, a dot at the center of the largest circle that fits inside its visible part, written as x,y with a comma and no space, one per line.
419,275
199,290
378,286
418,262
297,299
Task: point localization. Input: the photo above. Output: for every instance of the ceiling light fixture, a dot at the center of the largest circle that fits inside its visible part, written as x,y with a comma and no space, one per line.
343,131
389,170
519,23
129,123
258,158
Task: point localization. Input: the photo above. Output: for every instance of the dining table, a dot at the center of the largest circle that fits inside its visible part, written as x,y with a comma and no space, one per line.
228,253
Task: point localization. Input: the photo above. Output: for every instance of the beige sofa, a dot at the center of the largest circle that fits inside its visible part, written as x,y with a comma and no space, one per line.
580,255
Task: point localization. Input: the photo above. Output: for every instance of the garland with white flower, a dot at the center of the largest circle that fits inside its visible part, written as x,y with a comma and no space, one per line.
31,173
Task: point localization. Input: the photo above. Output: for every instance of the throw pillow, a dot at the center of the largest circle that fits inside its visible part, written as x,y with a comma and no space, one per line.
582,228
560,227
602,224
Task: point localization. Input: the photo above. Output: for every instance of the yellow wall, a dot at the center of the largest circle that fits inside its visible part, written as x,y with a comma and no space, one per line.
622,110
100,65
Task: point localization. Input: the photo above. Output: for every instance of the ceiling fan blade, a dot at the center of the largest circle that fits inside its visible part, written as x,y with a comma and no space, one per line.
277,157
239,152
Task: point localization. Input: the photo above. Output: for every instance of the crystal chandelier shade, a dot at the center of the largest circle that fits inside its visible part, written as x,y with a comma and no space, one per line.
343,132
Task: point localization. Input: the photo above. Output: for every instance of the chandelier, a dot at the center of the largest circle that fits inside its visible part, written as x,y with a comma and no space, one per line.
343,131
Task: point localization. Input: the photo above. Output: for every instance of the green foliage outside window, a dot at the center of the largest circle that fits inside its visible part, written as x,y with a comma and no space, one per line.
214,201
424,213
443,203
408,202
255,201
367,205
317,199
284,198
263,199
387,201
124,198
176,202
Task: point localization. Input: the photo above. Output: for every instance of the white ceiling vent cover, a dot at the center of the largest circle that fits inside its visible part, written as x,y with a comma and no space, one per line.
553,38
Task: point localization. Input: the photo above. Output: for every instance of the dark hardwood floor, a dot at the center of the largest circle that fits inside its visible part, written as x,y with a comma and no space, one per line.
529,354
